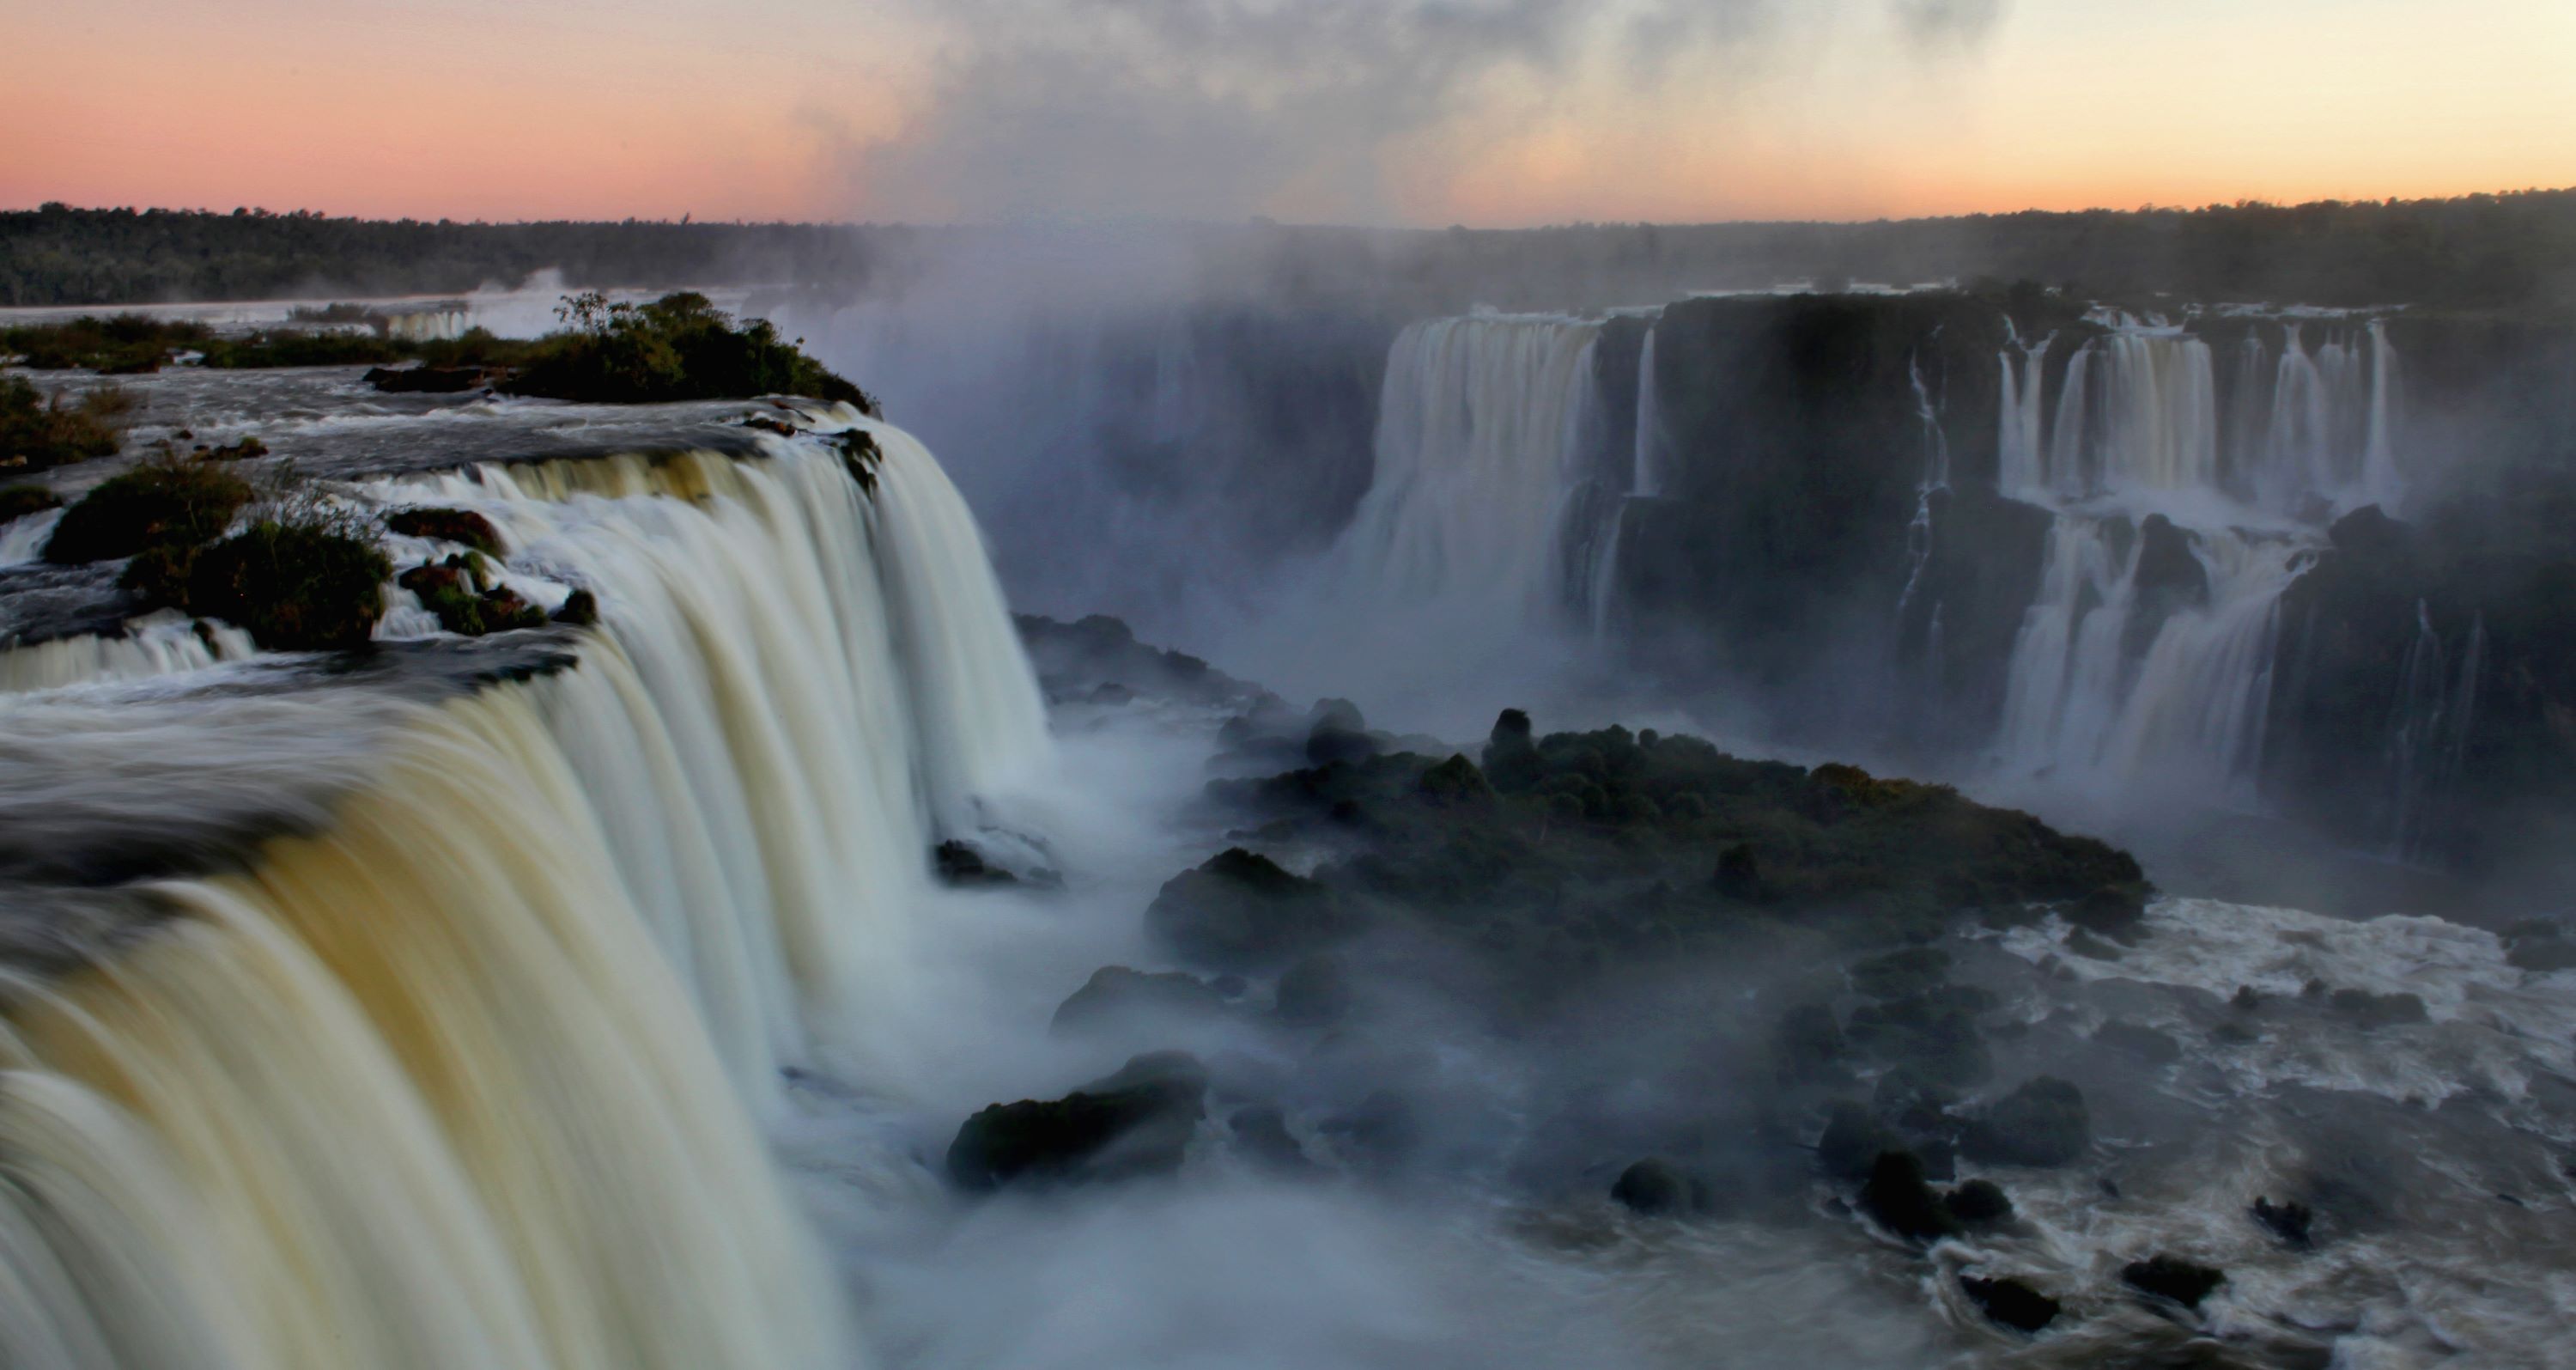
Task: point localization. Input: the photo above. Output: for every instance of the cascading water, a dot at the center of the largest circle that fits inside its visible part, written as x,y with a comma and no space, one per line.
454,1078
1480,437
2111,680
2428,736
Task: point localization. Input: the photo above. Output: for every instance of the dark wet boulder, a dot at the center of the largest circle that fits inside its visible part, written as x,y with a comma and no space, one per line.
2116,911
2291,1221
1315,992
957,863
1115,992
1852,1141
2043,1123
2377,1010
2171,1277
462,526
1979,1204
1241,912
580,609
451,589
1657,1188
1132,1123
2011,1302
1260,1135
434,380
1897,1198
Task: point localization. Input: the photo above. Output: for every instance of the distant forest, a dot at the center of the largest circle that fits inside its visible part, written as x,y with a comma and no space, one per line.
2513,251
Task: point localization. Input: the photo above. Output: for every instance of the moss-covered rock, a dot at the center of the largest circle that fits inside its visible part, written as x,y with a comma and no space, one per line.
452,590
1135,1122
1241,912
292,586
461,526
176,504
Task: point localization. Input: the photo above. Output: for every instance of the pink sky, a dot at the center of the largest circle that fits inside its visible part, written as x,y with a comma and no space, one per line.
829,109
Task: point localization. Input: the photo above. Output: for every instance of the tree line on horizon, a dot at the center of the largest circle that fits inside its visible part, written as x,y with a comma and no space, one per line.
2511,250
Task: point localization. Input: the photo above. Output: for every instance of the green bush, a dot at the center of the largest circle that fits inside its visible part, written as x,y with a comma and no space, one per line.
39,431
18,501
679,347
295,584
121,344
165,504
290,347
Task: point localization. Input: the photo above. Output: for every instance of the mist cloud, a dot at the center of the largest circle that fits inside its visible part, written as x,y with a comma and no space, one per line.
1213,109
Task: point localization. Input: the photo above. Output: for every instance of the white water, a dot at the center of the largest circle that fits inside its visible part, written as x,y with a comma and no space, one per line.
460,1081
1647,481
2093,700
1480,435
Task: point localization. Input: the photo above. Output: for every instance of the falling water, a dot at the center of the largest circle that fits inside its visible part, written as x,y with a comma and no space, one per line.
458,1077
1648,479
2428,735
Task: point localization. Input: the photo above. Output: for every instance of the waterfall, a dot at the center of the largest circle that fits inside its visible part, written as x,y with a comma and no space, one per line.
2112,682
2428,736
1647,479
468,1075
1936,476
1481,437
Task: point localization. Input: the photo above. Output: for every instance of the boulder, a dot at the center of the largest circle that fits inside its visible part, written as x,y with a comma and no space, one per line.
1897,1198
1137,1121
461,526
2011,1302
1115,992
434,380
2043,1123
1240,912
957,863
2290,1221
1978,1204
2171,1277
1658,1188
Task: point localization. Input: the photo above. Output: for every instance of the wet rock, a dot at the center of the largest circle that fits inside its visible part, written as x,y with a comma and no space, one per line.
2011,1302
2116,911
1240,912
462,526
2290,1221
1658,1188
1978,1204
1898,1199
1115,992
2043,1123
1135,1122
580,609
2171,1277
1315,992
959,864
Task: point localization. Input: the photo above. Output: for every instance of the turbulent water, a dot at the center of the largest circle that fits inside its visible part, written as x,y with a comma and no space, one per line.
583,998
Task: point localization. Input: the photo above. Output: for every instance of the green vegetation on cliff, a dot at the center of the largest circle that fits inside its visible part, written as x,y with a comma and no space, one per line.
39,431
679,347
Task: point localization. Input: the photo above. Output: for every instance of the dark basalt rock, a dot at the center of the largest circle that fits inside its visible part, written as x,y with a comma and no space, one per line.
1897,974
2115,911
161,505
580,609
1115,992
2377,1010
1658,1188
1897,1198
2043,1123
957,863
2011,1302
2171,1277
2290,1221
435,380
2168,580
1133,1123
462,526
1241,912
1979,1204
1079,660
449,589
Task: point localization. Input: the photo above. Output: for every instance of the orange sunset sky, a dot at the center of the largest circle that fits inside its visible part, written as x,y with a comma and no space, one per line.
1384,111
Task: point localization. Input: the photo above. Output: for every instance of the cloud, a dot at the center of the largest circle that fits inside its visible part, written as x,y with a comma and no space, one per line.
1214,109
